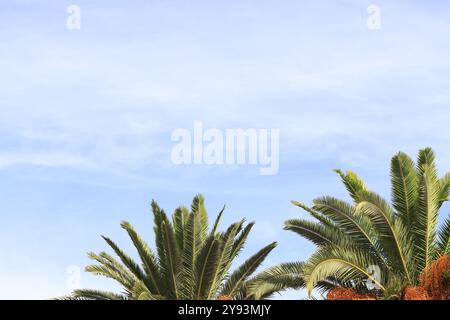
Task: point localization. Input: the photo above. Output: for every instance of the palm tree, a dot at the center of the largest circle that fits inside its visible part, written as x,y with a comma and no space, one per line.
190,262
369,245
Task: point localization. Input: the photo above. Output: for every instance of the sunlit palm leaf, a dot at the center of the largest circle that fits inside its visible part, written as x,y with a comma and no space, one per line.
354,184
427,213
405,185
346,263
111,268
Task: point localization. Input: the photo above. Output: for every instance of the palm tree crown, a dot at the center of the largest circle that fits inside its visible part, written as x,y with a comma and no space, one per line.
190,262
369,244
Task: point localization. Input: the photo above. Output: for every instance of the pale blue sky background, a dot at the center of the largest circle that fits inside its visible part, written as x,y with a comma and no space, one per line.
86,116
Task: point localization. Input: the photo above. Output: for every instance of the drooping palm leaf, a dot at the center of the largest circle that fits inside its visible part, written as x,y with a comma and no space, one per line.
110,268
346,263
443,245
277,279
317,233
356,226
126,259
238,277
87,294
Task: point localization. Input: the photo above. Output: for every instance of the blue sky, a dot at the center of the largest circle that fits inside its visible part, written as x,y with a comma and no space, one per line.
86,116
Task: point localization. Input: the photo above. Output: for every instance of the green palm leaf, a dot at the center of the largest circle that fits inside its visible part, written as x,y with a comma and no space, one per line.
153,279
427,213
241,239
207,265
198,208
317,233
110,268
357,226
276,279
191,248
404,187
88,294
346,263
394,236
224,258
443,245
126,259
178,226
171,269
354,184
444,189
238,277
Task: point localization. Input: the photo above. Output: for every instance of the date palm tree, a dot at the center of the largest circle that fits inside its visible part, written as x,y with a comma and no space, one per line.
190,261
369,244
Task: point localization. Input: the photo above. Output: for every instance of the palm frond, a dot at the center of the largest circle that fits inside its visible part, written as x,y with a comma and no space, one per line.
346,263
126,259
111,268
241,239
405,185
444,188
425,158
207,264
238,277
88,294
216,223
276,279
198,208
159,216
317,233
427,213
354,184
170,270
178,226
153,279
394,235
357,226
190,251
224,259
317,215
141,292
443,245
